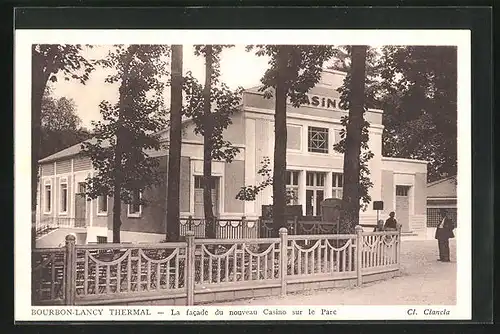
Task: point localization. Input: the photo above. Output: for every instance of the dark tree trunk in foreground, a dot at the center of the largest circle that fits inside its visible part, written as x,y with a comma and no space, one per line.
280,135
174,152
207,147
351,193
39,77
121,145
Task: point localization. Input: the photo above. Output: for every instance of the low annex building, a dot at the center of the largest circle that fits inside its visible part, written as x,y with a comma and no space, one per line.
314,173
441,195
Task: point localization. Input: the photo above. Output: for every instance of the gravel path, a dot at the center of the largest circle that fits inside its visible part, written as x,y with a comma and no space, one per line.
423,281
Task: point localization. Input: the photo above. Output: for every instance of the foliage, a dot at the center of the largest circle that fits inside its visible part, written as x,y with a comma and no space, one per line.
66,59
249,193
419,98
226,103
60,126
119,148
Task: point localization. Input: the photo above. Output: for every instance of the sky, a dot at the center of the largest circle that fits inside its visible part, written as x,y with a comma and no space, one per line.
238,68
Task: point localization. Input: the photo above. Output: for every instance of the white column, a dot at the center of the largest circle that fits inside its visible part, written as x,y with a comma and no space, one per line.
250,163
328,185
302,190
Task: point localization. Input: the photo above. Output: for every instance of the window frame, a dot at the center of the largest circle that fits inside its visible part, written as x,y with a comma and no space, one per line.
136,214
335,184
326,132
300,141
63,182
99,211
48,184
293,185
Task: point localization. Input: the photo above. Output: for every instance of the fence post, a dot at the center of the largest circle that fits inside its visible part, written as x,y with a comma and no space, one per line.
359,253
190,272
70,271
283,258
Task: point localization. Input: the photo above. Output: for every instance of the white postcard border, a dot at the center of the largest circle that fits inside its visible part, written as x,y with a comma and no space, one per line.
22,132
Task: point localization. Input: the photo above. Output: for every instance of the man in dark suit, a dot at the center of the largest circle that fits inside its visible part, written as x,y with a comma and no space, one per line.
444,232
391,224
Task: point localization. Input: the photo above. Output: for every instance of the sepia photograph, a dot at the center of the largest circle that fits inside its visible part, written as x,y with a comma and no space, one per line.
246,177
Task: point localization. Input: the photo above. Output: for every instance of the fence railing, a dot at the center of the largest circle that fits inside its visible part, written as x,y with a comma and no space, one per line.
191,270
237,228
223,228
50,223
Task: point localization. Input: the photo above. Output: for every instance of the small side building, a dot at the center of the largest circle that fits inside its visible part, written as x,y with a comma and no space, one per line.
441,194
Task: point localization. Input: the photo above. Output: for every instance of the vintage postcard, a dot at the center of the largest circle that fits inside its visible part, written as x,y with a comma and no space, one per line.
184,175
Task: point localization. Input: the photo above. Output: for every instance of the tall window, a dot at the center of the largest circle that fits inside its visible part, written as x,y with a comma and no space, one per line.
317,140
102,204
292,187
337,184
48,198
135,208
293,137
64,198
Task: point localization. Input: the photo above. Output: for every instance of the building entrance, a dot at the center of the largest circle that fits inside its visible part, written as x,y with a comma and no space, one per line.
315,192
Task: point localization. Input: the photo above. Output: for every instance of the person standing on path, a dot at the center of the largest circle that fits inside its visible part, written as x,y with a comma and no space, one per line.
444,232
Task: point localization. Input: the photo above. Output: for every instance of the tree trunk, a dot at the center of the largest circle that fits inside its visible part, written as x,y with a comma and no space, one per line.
117,209
121,145
117,202
39,77
280,136
351,191
174,152
207,147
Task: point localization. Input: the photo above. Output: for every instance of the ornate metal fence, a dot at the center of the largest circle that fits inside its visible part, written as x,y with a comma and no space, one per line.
224,228
197,269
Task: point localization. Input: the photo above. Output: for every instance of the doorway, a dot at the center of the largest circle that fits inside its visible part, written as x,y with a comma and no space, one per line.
80,205
403,207
315,192
198,196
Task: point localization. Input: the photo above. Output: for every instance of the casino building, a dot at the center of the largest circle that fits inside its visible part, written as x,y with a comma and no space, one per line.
314,173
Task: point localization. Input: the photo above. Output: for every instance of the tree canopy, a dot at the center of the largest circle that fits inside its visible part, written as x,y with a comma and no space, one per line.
60,125
419,98
129,128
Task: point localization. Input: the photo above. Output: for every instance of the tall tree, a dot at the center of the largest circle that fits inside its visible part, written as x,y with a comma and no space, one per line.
207,141
60,125
210,106
342,61
47,61
293,71
128,130
353,140
175,144
419,98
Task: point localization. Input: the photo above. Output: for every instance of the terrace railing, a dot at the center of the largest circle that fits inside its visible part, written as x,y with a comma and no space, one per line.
224,228
48,224
237,228
206,270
